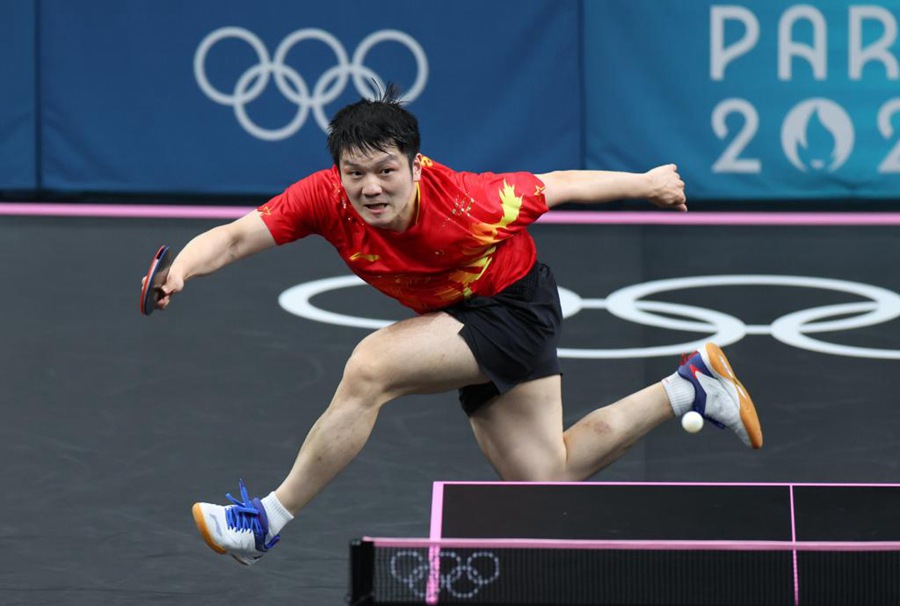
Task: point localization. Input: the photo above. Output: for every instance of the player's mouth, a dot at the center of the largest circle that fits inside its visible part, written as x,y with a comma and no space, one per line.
377,208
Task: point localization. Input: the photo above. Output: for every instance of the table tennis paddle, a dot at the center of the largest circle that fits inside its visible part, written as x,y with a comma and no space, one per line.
151,291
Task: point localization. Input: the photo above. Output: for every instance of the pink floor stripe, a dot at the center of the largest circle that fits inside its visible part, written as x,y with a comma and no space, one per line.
586,217
720,218
128,211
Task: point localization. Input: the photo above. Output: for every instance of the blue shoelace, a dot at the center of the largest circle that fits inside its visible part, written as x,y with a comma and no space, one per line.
246,516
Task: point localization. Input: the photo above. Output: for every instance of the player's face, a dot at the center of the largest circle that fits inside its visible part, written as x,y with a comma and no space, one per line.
381,186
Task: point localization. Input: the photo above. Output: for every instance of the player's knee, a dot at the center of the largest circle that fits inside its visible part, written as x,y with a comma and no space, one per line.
367,378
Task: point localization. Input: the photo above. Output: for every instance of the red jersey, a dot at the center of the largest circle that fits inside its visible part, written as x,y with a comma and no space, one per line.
468,236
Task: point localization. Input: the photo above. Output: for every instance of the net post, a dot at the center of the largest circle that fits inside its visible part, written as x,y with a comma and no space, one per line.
362,572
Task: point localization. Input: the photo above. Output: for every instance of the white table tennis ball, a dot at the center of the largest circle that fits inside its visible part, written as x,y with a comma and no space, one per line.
692,421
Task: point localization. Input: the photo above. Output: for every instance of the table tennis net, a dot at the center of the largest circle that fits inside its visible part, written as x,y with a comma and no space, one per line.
634,573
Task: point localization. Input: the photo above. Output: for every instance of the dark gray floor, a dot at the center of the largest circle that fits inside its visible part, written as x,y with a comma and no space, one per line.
114,424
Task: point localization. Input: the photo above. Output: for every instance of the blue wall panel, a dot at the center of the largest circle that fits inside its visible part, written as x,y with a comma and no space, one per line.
755,99
172,96
18,170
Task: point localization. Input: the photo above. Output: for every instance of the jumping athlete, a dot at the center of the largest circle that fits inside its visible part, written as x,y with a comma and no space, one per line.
454,248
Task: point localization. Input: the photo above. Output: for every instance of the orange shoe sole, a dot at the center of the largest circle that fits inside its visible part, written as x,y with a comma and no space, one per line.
200,521
748,411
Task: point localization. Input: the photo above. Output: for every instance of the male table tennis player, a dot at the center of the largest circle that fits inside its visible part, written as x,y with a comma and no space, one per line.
454,248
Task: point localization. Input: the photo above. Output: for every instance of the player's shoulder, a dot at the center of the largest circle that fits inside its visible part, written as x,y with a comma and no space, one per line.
433,168
438,177
437,169
438,173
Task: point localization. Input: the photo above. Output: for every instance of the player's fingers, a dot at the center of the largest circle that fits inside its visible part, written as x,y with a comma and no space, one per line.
172,285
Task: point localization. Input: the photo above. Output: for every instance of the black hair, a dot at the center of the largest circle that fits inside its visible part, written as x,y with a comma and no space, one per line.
374,125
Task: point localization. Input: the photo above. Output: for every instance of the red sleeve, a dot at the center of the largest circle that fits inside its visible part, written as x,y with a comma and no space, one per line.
302,209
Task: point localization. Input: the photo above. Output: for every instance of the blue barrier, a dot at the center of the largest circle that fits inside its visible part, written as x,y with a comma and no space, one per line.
753,99
228,97
18,162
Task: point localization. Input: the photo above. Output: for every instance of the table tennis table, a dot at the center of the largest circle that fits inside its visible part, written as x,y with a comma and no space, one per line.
661,544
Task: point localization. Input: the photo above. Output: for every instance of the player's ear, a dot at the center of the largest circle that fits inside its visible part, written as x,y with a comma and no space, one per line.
417,167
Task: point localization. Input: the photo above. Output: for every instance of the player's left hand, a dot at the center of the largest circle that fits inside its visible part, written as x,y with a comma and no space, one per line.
666,188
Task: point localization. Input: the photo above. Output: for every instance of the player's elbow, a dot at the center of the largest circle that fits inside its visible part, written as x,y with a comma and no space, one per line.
559,187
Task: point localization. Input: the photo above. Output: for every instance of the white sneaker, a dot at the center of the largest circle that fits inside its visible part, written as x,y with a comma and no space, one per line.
240,529
719,396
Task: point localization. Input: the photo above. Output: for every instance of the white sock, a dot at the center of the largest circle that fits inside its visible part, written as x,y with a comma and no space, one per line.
680,392
277,514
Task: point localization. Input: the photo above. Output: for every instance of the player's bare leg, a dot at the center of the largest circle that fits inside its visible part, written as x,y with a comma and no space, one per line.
521,432
419,355
607,433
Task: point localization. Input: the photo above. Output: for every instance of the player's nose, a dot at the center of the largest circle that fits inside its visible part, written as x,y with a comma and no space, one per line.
371,188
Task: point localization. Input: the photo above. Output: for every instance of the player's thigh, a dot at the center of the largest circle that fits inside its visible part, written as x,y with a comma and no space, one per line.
521,432
424,354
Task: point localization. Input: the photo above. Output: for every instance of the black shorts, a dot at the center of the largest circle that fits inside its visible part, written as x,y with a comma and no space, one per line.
513,334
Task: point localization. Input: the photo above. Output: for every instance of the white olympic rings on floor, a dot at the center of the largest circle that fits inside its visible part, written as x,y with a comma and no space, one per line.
793,329
250,85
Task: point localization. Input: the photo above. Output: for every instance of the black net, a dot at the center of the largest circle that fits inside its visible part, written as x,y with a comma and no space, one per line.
503,575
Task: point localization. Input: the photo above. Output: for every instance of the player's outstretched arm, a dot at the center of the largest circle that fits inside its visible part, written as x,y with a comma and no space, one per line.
214,249
662,186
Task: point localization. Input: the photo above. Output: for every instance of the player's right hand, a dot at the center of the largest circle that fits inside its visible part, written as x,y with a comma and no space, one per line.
174,284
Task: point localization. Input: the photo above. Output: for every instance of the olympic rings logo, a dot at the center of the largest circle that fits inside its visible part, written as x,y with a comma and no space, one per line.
795,329
464,579
250,85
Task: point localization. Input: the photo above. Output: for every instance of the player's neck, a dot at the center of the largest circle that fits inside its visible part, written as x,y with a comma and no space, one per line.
412,210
